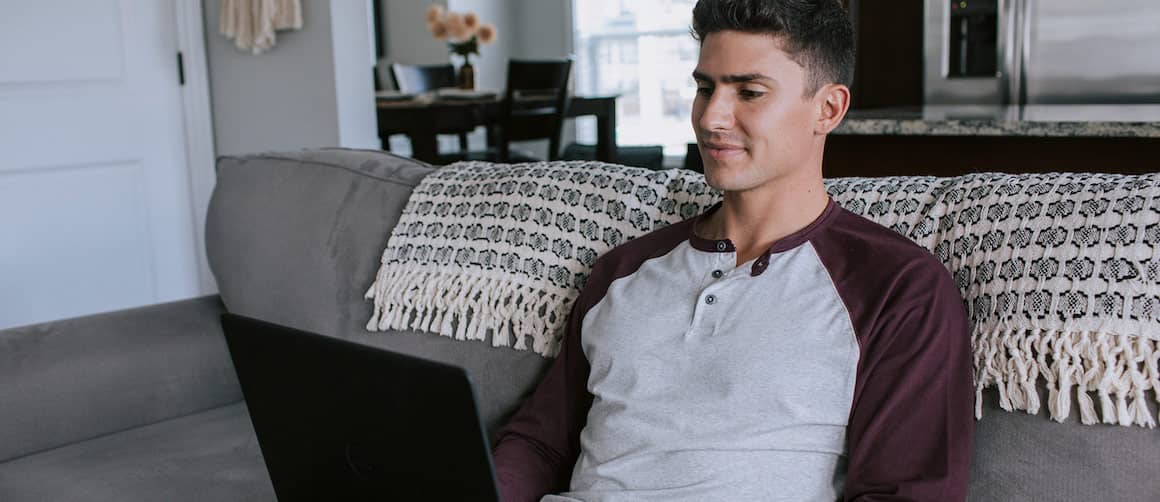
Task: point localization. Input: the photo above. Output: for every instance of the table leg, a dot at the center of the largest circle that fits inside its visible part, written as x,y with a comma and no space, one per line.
424,147
606,132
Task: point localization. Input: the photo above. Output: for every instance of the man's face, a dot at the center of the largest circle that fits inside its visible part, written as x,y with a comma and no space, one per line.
753,123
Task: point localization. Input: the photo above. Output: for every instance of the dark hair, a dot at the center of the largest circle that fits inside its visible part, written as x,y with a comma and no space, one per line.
816,34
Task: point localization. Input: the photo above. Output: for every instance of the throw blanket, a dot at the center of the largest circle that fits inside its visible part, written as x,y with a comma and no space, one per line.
1060,273
503,250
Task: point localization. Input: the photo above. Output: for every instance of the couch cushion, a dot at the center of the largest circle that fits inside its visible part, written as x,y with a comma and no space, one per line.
1031,457
212,455
295,238
89,376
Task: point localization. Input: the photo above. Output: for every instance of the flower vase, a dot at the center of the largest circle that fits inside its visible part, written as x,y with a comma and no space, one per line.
466,77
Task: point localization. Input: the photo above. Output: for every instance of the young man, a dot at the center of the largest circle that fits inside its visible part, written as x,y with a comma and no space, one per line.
776,347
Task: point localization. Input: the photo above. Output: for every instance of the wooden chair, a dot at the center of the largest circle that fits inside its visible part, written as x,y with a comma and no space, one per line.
646,156
533,107
424,78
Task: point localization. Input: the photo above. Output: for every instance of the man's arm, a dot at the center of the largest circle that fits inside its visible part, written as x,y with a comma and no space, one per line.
911,426
538,447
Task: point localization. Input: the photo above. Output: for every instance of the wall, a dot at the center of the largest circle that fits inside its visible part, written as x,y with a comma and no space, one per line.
310,90
406,39
545,28
354,62
491,65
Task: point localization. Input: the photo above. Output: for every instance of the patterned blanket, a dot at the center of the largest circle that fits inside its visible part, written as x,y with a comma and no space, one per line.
1060,272
503,250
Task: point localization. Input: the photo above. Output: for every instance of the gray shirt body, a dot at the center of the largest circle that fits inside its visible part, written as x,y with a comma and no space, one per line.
836,365
733,388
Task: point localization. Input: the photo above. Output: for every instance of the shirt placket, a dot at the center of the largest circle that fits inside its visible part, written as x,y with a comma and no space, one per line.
711,298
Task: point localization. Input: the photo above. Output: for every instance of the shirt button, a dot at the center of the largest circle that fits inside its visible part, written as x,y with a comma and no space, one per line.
717,274
711,299
720,245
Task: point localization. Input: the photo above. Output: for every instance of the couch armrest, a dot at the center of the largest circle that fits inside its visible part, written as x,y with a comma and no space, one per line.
75,379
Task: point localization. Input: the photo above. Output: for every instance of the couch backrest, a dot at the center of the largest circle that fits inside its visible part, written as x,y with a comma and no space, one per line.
75,379
295,238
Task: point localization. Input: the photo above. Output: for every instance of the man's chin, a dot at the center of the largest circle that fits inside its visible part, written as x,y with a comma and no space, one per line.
720,177
730,163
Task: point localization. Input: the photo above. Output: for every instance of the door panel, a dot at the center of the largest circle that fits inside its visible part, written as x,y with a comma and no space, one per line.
95,210
93,263
1080,51
41,52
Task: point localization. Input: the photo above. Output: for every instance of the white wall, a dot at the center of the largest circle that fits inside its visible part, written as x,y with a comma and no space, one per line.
310,90
545,28
354,61
491,64
405,36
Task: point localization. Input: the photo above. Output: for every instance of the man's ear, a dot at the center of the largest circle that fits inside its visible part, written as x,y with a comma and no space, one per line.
833,102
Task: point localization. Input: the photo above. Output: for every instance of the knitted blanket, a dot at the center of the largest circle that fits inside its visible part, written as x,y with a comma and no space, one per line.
1060,273
503,250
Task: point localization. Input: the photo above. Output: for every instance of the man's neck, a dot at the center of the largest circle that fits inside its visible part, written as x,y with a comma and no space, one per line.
754,220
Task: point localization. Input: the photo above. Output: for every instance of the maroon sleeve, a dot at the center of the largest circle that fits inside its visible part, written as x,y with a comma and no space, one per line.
911,424
538,447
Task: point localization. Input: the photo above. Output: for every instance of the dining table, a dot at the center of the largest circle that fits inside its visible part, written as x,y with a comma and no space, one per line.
423,117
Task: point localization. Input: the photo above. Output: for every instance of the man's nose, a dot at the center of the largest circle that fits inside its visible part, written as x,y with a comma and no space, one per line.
718,114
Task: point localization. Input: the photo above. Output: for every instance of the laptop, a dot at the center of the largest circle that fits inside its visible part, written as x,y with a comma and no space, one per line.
338,420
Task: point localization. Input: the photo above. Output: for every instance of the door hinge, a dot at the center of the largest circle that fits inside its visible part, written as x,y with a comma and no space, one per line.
180,69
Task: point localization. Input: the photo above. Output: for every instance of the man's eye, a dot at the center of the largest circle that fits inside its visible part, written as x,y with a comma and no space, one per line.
748,94
705,91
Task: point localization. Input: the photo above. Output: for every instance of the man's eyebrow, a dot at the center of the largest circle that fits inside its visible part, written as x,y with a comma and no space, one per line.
732,79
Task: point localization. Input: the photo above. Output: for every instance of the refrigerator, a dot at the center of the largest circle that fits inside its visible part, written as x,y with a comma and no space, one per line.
1041,52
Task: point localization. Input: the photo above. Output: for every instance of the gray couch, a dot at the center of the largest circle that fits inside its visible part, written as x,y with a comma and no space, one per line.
143,404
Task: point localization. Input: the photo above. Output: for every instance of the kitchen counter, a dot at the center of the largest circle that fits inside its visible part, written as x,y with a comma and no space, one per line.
1079,121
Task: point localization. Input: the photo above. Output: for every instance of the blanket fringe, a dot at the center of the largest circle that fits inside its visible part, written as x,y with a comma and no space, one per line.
1120,370
462,306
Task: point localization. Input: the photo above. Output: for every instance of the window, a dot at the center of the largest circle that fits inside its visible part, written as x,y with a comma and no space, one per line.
641,50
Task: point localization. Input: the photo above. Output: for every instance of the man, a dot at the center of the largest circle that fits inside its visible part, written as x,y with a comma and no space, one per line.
776,347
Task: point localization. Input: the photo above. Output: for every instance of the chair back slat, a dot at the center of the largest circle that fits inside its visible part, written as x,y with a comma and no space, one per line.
534,104
422,78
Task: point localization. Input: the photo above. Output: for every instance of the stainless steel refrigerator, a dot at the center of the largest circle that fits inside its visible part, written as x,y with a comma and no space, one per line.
1012,52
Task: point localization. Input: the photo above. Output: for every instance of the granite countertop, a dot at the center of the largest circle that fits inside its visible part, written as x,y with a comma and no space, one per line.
1127,121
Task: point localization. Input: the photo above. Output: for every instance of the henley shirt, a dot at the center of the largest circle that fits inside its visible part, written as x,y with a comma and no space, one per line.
834,366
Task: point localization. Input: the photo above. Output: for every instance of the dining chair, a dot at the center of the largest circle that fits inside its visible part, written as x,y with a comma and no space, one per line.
422,78
646,156
533,107
413,79
534,104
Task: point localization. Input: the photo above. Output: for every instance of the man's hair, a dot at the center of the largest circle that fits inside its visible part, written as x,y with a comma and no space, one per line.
816,34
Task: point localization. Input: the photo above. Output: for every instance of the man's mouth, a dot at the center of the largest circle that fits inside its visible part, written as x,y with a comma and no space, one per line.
721,151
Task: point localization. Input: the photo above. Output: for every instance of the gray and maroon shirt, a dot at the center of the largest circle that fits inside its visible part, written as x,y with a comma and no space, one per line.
834,366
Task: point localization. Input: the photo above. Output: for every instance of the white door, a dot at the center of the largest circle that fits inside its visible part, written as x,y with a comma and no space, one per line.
95,210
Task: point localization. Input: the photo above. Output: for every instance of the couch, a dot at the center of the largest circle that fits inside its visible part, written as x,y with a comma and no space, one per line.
143,404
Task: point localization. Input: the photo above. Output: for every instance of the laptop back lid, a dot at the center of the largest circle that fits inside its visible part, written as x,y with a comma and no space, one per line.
337,420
